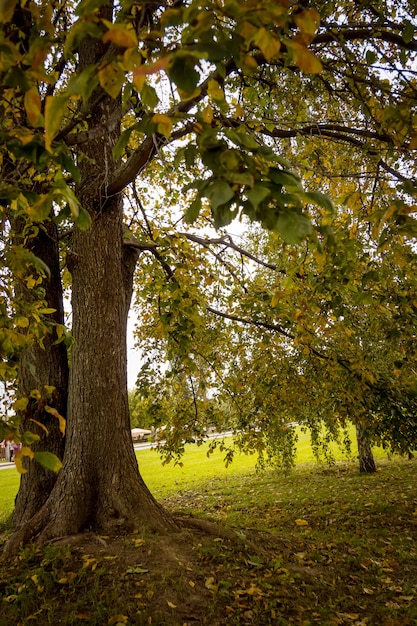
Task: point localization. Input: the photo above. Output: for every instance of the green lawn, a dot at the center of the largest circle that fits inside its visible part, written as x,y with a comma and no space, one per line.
322,546
168,479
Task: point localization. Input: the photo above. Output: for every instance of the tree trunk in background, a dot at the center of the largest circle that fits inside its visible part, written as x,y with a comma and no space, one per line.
40,367
366,459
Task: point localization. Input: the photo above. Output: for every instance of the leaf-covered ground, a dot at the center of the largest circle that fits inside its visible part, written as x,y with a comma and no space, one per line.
321,546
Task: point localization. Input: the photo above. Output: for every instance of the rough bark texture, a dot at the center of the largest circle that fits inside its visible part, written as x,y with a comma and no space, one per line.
39,367
366,459
99,485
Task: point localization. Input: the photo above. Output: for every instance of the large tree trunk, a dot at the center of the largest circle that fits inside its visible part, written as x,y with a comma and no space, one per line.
366,459
99,484
40,366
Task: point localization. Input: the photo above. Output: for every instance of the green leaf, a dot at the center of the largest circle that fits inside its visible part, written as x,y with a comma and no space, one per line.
193,211
408,32
84,83
122,142
87,7
83,221
62,189
148,96
241,139
290,181
293,226
371,57
183,73
218,193
320,199
258,195
55,108
41,210
48,460
28,437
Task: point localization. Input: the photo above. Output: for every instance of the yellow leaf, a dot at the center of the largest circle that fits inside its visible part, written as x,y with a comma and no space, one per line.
215,91
191,583
18,458
141,71
32,103
20,404
171,605
210,583
304,58
308,22
267,43
207,115
123,37
185,95
7,10
301,522
61,420
163,124
117,619
111,78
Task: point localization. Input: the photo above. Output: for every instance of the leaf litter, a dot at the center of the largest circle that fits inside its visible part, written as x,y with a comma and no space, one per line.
351,560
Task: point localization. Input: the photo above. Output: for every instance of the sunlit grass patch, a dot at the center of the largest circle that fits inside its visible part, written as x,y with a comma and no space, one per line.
198,468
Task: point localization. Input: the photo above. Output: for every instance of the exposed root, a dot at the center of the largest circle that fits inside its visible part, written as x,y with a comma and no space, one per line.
213,529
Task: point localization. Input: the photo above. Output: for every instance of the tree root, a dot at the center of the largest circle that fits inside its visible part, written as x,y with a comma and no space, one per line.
216,530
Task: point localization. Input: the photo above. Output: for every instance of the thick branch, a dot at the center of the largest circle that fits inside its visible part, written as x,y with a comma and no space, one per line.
341,35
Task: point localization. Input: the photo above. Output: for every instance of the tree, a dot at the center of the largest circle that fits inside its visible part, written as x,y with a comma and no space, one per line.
94,96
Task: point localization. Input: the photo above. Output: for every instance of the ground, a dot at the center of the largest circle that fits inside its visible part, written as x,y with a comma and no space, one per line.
328,548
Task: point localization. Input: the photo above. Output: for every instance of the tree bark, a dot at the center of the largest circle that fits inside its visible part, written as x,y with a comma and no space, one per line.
40,366
99,485
366,459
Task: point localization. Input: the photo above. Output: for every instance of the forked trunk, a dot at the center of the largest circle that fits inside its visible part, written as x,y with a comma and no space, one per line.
99,485
366,459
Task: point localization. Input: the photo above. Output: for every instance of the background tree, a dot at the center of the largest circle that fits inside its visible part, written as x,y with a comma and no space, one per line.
116,89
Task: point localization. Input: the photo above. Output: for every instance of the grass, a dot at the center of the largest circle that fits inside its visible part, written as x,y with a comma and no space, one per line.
170,479
323,545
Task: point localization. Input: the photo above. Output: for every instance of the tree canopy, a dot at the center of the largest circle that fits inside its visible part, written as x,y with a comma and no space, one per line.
129,129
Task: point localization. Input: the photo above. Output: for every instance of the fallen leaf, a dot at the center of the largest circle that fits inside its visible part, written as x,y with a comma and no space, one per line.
301,522
171,605
210,583
115,620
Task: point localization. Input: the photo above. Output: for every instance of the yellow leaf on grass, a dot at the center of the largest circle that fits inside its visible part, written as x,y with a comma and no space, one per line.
117,619
171,605
301,522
